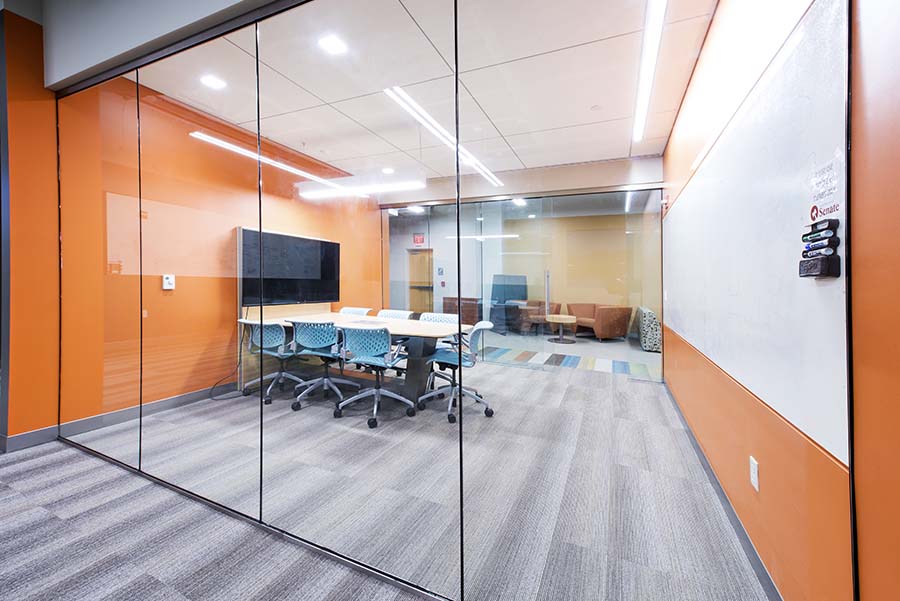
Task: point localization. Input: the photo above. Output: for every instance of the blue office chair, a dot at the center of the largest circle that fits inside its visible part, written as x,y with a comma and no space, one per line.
355,310
319,340
270,340
372,348
449,358
394,314
448,342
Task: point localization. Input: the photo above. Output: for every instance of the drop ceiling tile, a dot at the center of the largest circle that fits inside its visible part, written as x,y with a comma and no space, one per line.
579,144
399,161
678,10
385,47
681,43
385,117
648,147
495,154
659,125
591,83
178,77
495,31
324,133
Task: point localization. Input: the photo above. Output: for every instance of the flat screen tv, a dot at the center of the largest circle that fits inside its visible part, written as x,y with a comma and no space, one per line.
294,269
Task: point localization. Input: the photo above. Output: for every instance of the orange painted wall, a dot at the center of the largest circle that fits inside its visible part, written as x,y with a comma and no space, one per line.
799,522
874,185
193,195
33,257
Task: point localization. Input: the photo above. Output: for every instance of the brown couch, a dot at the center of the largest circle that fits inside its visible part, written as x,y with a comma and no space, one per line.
533,313
605,321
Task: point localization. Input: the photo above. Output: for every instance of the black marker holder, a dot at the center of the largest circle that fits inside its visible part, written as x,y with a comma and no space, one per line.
822,266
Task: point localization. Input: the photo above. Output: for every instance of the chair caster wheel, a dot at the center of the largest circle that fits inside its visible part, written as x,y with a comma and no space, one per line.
442,396
411,411
245,392
451,418
267,400
296,406
338,413
420,405
373,423
488,412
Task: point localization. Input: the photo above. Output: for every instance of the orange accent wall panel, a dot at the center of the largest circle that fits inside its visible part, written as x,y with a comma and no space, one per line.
875,287
193,197
33,256
799,519
742,39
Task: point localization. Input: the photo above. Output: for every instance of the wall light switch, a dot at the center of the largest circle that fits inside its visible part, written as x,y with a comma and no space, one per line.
168,281
754,473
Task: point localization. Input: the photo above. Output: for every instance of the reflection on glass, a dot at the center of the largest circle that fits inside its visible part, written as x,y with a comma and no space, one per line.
356,104
100,229
199,187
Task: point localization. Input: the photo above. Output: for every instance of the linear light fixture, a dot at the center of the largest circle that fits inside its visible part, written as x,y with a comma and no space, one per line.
653,30
398,95
628,201
482,238
363,190
199,135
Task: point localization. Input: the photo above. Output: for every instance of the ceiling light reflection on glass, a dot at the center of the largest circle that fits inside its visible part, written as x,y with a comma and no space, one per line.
519,202
416,209
388,171
409,105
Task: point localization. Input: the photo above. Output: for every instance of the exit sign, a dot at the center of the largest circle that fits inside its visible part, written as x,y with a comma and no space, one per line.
418,239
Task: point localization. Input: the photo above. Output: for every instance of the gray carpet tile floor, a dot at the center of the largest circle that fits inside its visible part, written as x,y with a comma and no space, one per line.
584,485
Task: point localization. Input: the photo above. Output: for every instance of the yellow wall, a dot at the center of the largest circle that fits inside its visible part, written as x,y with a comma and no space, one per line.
606,259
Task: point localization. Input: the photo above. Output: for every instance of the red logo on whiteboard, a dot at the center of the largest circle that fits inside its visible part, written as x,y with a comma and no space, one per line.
814,213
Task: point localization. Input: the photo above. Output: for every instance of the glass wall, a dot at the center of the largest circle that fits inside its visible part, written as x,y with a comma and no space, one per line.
272,298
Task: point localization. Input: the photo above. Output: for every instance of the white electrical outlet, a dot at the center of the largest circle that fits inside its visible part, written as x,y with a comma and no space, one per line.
168,281
754,473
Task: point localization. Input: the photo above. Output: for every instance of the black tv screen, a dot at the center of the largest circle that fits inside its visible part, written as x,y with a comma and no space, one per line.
295,270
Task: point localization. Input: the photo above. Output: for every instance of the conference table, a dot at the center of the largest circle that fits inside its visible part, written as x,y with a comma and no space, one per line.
423,337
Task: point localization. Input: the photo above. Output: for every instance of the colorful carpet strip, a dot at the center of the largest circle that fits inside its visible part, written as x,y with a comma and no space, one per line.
640,371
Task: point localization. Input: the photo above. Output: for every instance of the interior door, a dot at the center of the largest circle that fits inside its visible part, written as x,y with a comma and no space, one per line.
421,280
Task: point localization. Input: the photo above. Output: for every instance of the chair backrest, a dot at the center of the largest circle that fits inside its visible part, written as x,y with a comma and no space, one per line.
367,342
394,314
267,336
315,335
582,309
439,317
355,310
475,335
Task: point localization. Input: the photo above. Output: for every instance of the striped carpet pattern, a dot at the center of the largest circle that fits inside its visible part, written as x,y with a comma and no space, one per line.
74,527
634,369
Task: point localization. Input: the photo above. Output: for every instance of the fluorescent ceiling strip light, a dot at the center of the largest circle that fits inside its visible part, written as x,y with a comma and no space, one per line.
409,105
484,237
266,160
653,30
363,190
628,201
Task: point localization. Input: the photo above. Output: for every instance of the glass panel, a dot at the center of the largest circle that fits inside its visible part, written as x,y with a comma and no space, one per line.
199,187
344,87
100,229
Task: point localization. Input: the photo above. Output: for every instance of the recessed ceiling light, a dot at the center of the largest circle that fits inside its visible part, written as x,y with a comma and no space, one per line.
332,44
532,216
211,81
416,209
653,30
388,170
519,202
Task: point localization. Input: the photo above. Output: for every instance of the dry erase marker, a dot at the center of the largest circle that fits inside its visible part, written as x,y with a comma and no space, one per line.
830,242
821,252
817,235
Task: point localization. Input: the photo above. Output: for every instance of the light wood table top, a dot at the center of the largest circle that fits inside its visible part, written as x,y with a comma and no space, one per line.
561,318
397,327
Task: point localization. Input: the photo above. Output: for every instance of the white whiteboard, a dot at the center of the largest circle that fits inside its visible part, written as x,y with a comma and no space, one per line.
731,242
